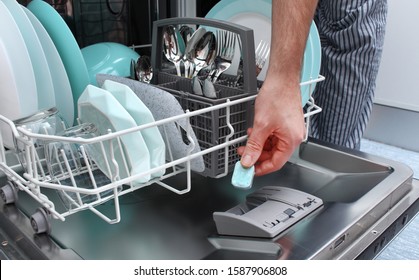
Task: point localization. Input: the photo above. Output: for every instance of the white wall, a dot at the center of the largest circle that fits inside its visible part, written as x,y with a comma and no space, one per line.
398,77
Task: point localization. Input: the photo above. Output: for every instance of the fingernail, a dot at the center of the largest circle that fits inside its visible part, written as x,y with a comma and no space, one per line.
247,161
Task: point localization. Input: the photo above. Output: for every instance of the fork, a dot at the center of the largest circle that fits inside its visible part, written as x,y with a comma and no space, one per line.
226,42
261,55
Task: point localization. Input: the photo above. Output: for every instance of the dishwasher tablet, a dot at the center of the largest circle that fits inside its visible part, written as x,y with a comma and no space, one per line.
242,177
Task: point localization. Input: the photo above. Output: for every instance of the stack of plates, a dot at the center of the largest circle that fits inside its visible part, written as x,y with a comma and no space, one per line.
42,66
65,44
115,107
33,77
18,91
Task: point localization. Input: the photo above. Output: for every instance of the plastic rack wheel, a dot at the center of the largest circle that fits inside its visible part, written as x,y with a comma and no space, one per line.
40,221
8,193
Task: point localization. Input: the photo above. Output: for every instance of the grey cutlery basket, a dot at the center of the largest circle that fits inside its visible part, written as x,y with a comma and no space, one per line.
211,128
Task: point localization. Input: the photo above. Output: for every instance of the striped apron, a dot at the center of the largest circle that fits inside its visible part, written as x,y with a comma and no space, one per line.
352,37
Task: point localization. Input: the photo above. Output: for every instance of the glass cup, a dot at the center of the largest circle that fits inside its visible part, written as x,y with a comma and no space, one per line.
71,165
65,157
45,122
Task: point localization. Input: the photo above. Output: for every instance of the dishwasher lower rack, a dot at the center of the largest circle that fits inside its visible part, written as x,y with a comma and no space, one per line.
81,184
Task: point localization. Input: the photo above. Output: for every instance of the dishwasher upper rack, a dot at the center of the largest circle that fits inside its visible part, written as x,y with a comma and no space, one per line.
210,128
35,180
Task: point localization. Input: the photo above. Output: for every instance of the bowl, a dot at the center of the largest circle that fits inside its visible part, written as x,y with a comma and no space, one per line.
108,58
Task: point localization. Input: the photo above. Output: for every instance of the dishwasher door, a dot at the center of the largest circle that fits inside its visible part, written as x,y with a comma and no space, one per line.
367,200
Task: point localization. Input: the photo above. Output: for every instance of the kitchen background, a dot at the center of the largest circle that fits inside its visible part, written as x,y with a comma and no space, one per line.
127,22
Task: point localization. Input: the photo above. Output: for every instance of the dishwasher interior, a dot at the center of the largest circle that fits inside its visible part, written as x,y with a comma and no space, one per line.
361,201
363,197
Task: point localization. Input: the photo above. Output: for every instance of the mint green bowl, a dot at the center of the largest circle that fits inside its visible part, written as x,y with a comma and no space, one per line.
108,58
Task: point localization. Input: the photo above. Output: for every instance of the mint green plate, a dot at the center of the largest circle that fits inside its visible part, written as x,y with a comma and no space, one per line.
66,46
62,89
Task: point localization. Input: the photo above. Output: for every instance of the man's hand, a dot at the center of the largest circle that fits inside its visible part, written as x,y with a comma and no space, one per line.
278,128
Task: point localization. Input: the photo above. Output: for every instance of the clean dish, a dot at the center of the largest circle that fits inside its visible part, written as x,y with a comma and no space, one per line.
61,156
66,46
164,105
99,107
108,58
142,115
17,80
316,52
47,122
44,85
256,14
62,89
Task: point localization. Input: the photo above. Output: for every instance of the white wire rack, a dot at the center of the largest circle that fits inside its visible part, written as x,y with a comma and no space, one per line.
80,183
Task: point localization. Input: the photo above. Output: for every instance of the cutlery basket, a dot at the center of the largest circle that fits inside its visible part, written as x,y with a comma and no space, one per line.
211,128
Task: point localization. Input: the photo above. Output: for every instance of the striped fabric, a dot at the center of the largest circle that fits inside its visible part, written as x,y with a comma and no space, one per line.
352,35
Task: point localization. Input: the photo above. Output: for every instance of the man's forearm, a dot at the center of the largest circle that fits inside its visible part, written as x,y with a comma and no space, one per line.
291,20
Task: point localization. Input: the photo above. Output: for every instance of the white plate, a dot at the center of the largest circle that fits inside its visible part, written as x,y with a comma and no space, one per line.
66,45
164,105
17,81
142,115
44,85
256,14
99,107
62,89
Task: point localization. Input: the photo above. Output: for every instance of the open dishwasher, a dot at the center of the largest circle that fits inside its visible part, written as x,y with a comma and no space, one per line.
339,204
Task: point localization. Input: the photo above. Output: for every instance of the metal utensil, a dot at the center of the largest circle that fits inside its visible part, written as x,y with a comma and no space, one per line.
208,89
190,49
199,82
132,72
197,86
143,69
261,55
186,32
174,46
226,44
205,51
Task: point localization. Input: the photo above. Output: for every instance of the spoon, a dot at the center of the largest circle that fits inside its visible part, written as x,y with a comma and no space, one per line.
205,51
202,85
198,81
143,69
174,46
208,89
190,49
186,32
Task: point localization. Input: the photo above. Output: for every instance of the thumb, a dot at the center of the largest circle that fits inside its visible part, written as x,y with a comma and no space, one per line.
253,148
